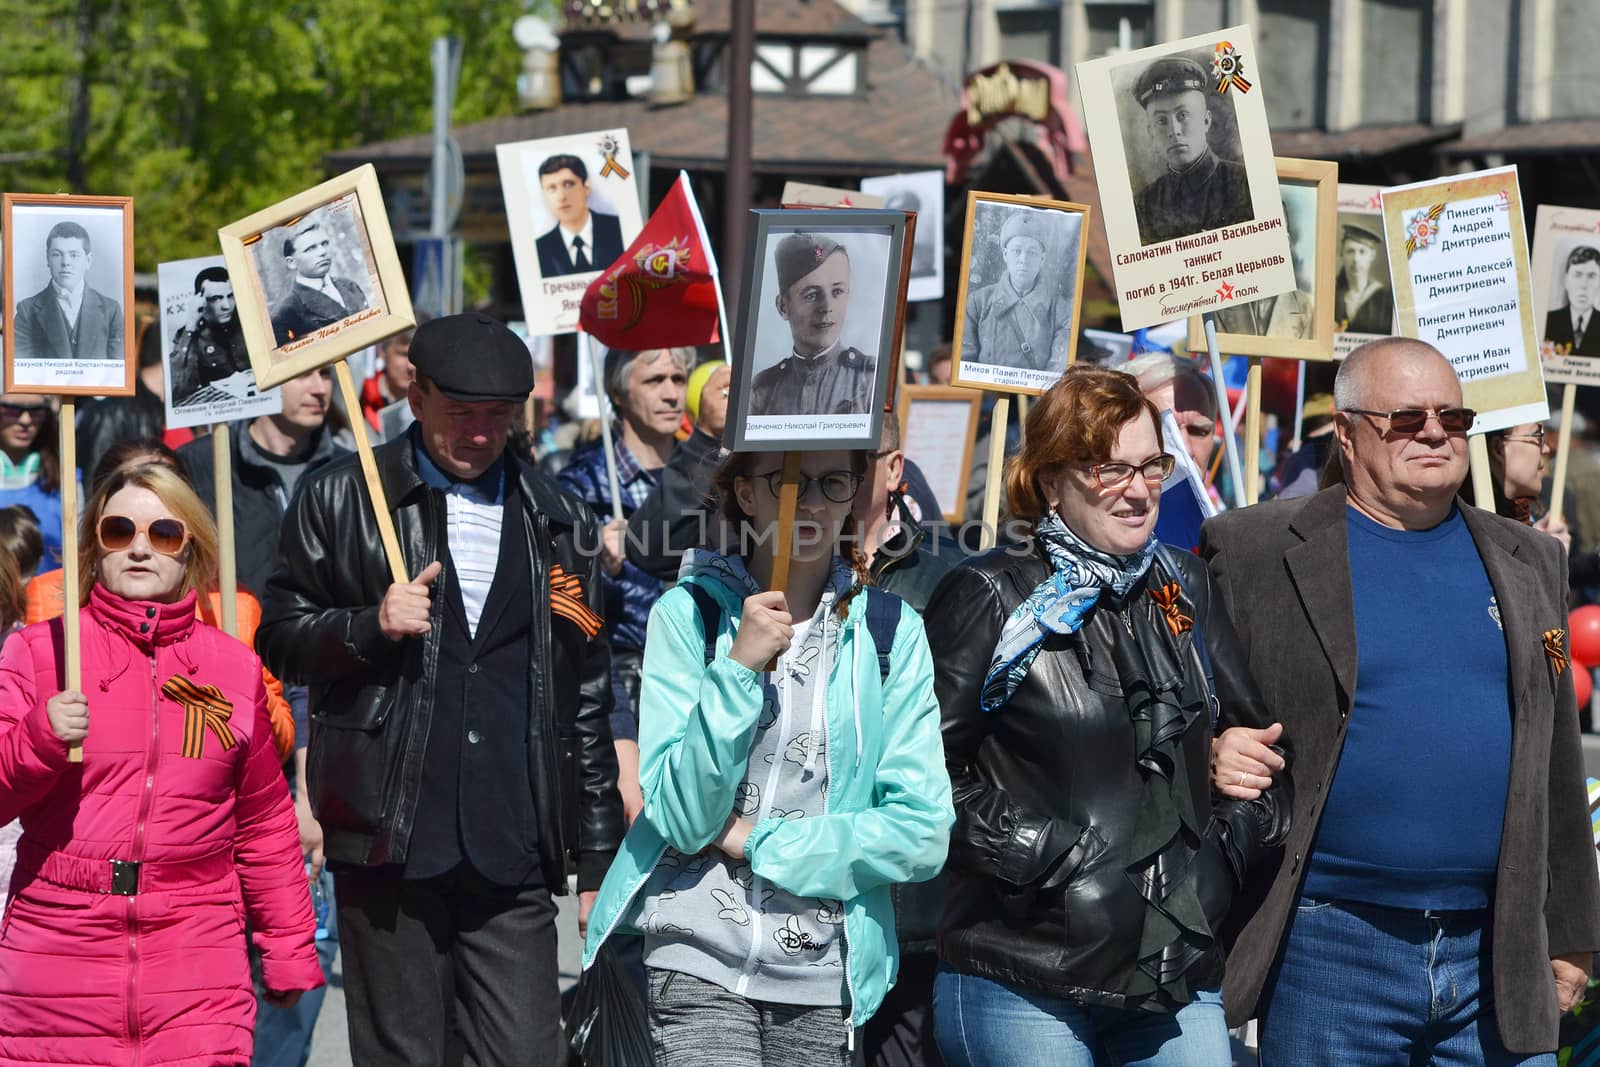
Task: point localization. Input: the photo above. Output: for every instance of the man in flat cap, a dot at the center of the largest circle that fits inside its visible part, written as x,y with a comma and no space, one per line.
1199,191
1573,326
822,376
1362,302
446,708
1022,320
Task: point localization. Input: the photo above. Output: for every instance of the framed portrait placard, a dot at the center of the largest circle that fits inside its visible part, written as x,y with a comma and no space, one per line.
921,192
68,292
572,205
1459,256
1297,324
1188,186
938,425
1021,292
1363,292
1566,288
817,329
316,277
207,374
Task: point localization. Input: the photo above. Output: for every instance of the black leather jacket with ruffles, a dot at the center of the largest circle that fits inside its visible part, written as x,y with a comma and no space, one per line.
1046,890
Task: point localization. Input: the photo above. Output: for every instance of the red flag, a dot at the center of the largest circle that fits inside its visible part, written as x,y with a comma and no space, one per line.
662,293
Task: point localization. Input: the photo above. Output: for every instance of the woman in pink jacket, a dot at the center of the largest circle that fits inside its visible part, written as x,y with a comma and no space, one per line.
124,941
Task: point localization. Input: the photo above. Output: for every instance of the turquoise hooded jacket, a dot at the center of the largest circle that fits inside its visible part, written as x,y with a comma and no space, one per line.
889,810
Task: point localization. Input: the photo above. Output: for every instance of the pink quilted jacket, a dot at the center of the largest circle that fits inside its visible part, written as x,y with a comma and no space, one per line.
143,961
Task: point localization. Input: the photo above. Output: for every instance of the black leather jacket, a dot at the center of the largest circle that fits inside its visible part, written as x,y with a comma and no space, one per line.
372,699
1046,788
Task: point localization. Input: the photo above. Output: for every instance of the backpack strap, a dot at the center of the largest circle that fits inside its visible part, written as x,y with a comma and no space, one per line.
883,619
1169,562
710,616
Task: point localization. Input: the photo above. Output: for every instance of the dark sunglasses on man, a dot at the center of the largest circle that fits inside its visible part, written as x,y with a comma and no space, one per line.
166,536
1408,421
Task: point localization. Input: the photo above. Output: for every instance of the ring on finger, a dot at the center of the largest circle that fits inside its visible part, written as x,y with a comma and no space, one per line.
1242,777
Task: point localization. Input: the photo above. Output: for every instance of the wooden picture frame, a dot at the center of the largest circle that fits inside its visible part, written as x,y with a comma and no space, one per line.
982,321
944,446
770,408
289,327
1312,177
42,356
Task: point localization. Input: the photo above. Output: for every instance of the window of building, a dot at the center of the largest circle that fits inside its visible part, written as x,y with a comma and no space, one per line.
806,69
1031,33
1571,66
1119,27
1292,56
1396,61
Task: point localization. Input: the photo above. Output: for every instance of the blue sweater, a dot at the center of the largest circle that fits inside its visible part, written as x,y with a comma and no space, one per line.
47,507
1414,813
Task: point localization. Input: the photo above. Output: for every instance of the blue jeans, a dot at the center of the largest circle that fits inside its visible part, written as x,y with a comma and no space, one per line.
983,1023
283,1035
1383,987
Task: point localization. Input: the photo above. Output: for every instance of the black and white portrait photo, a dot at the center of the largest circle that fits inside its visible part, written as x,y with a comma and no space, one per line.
1183,149
1565,270
1363,297
1288,315
572,206
315,278
923,193
1570,322
1023,273
317,271
69,282
819,321
207,361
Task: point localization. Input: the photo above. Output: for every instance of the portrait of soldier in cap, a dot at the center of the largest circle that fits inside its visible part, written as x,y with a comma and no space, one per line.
210,345
1021,319
1198,190
1291,314
1362,299
821,375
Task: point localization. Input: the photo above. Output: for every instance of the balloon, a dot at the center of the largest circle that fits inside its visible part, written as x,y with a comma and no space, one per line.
1583,683
1584,625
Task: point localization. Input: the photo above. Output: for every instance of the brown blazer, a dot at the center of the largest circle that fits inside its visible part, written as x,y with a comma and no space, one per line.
1283,569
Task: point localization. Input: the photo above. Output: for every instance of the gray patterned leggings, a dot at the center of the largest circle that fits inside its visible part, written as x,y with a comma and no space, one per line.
699,1024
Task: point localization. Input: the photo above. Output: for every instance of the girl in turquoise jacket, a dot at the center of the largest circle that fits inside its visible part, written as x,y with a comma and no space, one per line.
779,805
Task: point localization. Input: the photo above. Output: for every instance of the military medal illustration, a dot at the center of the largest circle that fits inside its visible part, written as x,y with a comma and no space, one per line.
1227,66
609,149
1422,228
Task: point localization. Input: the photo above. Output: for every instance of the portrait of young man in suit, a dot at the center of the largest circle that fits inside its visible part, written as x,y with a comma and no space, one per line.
68,319
1572,327
317,298
581,240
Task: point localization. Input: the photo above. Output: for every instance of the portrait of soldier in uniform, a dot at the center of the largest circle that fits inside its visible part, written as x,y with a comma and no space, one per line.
1290,314
820,376
1022,319
1572,326
316,297
1198,190
211,346
1362,299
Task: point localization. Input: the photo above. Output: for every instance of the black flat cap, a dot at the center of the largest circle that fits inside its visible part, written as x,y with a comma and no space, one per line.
472,357
1170,74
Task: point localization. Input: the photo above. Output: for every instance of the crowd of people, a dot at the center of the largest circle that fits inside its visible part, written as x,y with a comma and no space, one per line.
1083,798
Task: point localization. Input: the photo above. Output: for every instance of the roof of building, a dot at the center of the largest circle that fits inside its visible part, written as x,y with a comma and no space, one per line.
897,124
1530,139
796,18
1360,142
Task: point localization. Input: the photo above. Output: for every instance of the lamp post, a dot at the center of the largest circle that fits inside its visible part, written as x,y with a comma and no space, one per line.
736,184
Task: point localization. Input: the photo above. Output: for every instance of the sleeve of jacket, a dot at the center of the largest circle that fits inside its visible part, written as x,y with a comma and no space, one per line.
301,638
695,727
675,515
600,821
994,836
1572,908
905,835
32,757
272,872
1249,830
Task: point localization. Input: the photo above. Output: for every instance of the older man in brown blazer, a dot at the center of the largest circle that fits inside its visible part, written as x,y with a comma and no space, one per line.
1437,899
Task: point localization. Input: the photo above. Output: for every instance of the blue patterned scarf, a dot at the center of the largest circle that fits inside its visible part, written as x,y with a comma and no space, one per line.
1059,604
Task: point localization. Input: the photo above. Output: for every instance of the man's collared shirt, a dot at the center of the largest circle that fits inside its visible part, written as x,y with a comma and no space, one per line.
587,233
70,303
633,481
323,285
473,514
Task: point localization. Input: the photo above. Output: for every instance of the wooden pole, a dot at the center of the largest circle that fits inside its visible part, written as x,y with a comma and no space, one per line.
1022,417
1558,487
1482,480
227,561
67,446
991,483
1230,449
788,503
369,468
1252,433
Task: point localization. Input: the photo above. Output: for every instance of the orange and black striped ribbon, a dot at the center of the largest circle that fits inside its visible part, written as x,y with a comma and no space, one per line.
1555,648
566,600
1166,599
205,708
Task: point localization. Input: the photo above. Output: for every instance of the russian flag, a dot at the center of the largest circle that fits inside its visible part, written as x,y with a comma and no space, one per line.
1185,504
